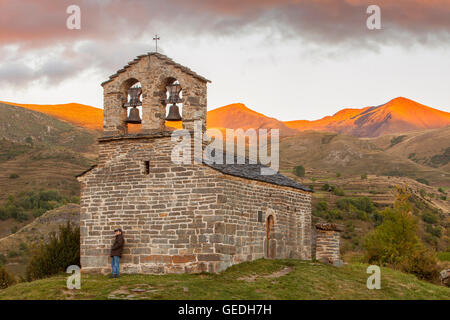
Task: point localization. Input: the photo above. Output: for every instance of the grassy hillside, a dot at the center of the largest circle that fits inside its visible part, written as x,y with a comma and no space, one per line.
331,153
261,279
40,152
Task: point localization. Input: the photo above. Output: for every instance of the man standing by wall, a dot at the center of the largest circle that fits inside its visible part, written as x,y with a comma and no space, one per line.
116,252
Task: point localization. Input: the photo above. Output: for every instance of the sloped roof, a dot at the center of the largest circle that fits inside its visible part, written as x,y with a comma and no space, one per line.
253,172
162,57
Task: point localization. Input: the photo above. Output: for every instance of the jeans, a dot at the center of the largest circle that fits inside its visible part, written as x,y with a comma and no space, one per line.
115,265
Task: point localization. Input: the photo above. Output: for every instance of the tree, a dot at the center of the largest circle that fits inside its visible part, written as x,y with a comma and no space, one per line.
395,242
299,171
61,251
6,279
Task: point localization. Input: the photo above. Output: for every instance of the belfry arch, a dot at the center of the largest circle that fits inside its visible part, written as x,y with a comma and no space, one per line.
155,72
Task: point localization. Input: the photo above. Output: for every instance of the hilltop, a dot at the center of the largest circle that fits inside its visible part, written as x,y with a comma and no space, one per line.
238,116
78,114
260,279
398,115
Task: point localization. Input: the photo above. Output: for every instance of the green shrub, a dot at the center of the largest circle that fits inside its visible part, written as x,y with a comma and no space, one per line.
2,259
422,263
434,231
397,140
335,214
362,203
322,206
338,174
396,243
3,214
377,218
326,187
6,279
423,181
23,246
299,171
13,176
35,203
338,191
364,176
61,251
441,190
429,218
441,159
444,256
324,212
354,208
13,254
433,241
37,212
444,198
395,173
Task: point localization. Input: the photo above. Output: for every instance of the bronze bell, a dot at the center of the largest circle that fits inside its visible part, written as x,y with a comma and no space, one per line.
134,117
174,113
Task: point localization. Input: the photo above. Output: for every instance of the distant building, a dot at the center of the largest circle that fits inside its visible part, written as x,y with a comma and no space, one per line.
179,218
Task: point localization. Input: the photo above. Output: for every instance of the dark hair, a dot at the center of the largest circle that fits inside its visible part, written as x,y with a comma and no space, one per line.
118,229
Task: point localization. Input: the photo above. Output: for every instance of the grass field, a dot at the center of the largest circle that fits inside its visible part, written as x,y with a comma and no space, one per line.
261,279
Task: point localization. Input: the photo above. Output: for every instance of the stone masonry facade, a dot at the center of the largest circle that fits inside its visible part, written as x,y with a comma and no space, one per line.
188,218
179,218
327,242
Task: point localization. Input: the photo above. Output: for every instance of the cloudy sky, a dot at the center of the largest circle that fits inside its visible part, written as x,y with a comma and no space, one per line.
290,59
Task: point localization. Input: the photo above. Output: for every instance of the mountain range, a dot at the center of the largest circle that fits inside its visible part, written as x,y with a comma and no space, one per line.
397,116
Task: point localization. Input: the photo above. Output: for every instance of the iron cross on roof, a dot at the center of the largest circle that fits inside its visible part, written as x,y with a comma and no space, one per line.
156,38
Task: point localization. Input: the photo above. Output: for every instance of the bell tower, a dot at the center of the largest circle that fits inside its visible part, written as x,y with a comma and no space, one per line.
140,93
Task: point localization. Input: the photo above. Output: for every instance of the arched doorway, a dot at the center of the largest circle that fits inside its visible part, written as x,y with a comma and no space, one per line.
270,245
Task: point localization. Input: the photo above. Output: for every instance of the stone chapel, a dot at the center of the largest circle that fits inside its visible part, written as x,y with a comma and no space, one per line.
181,218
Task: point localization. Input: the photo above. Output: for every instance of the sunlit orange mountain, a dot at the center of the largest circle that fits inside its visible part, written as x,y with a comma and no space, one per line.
237,115
398,115
78,114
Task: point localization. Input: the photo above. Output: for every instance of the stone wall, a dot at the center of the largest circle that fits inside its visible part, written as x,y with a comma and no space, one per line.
183,218
327,242
245,238
154,72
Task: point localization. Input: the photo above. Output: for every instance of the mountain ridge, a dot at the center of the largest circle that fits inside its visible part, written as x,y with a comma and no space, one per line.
396,116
